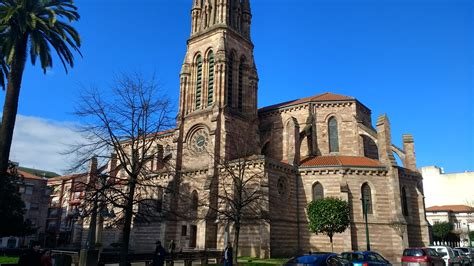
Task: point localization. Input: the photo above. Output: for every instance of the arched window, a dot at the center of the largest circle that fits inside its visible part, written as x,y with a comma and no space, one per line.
266,149
230,80
318,191
198,82
194,202
241,83
367,198
404,202
210,85
159,199
333,135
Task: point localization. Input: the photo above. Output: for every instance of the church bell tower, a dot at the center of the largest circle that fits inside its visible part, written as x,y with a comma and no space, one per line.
218,80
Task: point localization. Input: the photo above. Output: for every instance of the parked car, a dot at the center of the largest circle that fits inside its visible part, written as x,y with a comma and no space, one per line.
319,259
448,255
365,258
465,261
421,257
469,252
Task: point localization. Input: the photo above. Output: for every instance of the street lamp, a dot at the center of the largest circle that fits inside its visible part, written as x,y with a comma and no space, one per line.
365,203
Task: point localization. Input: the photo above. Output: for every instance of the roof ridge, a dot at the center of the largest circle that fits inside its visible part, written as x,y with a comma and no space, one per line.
315,97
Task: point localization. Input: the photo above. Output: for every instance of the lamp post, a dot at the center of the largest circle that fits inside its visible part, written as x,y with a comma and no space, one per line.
364,210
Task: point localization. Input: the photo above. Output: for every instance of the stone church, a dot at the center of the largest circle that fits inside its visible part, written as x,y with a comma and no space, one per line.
324,145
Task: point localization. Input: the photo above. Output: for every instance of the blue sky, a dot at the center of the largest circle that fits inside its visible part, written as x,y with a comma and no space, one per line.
411,59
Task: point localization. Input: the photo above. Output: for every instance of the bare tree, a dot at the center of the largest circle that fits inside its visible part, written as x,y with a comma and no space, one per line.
241,194
125,123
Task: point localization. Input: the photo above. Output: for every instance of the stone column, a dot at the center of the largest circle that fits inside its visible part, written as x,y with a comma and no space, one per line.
293,141
409,149
384,141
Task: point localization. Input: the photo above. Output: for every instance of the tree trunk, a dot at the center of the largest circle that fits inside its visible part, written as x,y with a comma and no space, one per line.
236,242
127,223
332,246
10,107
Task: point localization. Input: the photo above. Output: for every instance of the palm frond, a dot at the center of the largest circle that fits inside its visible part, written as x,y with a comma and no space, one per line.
45,25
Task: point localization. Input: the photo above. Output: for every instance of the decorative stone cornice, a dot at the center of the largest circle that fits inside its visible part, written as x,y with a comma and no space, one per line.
285,110
334,104
280,166
195,172
305,105
371,171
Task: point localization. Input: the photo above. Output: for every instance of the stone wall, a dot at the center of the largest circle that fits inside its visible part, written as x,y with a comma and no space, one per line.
312,120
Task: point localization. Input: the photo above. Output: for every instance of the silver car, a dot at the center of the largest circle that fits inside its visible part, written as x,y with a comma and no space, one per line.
465,261
469,253
448,255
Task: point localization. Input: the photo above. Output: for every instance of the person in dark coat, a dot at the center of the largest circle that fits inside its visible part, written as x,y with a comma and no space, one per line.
32,257
228,255
159,255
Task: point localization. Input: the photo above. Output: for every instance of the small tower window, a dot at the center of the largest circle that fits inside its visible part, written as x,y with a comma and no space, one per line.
404,202
241,84
333,135
159,199
367,198
194,203
318,191
210,85
198,82
230,80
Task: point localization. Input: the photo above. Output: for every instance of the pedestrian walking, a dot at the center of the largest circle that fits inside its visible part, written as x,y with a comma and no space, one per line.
32,257
228,255
159,255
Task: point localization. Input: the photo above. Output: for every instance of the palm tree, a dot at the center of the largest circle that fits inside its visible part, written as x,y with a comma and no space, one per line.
31,28
3,72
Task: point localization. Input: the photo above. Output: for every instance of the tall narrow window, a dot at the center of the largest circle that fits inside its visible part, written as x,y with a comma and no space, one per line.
198,82
194,203
404,202
367,198
159,199
318,191
210,85
333,135
230,80
241,84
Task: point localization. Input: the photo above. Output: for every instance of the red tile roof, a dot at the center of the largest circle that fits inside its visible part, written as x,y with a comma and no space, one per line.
325,97
165,132
27,175
340,161
452,208
67,177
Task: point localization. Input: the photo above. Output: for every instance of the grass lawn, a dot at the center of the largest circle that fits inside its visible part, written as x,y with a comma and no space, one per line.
8,260
249,261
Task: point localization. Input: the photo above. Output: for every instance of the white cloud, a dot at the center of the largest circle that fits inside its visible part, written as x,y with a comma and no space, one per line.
39,143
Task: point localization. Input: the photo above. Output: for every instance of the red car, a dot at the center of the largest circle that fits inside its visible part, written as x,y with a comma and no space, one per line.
421,257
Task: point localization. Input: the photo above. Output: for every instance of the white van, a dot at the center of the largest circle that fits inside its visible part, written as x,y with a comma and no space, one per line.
448,255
